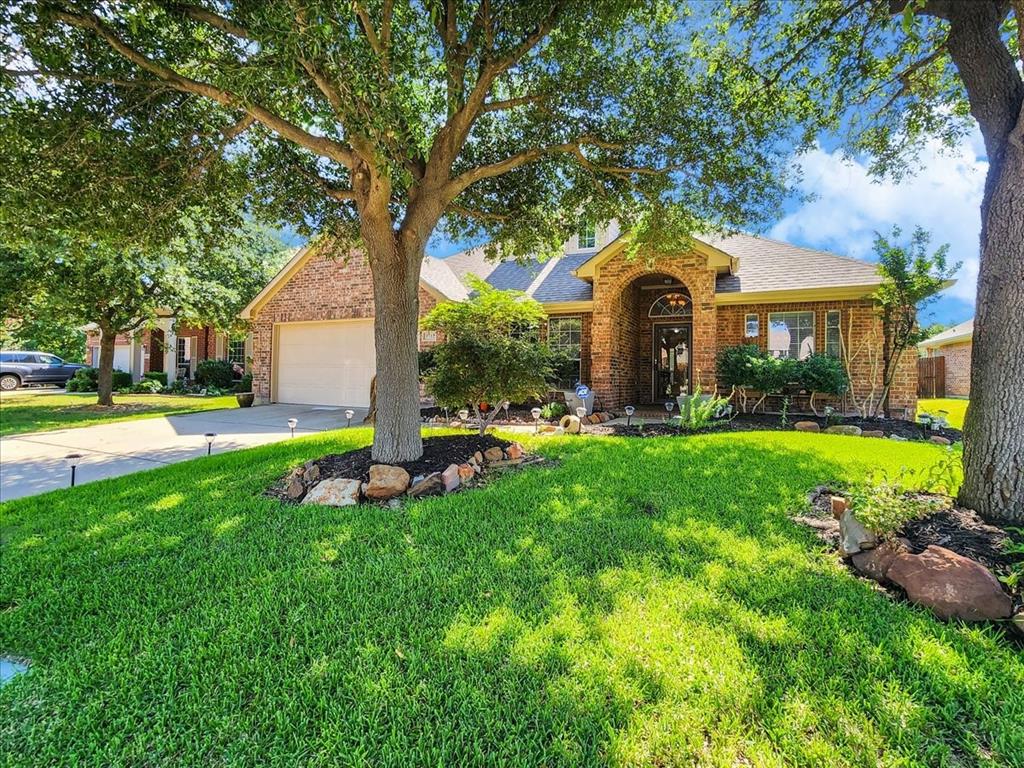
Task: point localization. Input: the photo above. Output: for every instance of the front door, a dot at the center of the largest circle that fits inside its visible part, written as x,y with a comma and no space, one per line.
671,361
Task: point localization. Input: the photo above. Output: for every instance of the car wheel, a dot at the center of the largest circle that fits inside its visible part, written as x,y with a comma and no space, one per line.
9,382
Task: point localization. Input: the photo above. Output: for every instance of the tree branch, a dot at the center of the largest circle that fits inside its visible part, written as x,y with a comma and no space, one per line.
204,16
337,193
497,106
473,213
318,144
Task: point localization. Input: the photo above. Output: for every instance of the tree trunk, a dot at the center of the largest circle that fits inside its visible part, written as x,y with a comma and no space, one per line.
994,428
105,385
395,263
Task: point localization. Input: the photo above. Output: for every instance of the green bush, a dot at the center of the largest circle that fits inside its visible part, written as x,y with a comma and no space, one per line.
215,373
158,376
823,375
244,384
87,380
426,363
550,411
84,380
734,365
146,387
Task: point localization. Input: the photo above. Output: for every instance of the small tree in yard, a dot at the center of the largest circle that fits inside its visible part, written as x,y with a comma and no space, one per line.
490,353
911,279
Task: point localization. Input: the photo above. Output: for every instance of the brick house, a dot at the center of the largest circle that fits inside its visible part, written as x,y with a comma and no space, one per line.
642,330
955,345
166,346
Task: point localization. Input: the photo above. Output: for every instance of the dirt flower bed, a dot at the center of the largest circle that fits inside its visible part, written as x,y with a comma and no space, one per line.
750,422
448,464
952,544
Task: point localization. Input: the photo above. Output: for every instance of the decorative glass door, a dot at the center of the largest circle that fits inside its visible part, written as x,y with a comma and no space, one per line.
671,361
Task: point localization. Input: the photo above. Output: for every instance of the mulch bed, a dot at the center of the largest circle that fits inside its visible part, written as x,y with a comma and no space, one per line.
954,528
752,422
438,453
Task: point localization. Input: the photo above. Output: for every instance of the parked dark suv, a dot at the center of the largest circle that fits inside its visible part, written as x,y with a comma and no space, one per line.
20,368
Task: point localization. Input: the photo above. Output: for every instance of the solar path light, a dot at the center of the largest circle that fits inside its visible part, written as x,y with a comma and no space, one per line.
210,436
292,424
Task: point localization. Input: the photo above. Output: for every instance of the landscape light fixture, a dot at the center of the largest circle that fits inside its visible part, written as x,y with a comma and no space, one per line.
348,417
630,410
464,415
292,424
72,460
669,405
535,412
209,441
581,412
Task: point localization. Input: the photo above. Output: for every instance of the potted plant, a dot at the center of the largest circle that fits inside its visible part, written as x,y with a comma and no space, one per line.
243,392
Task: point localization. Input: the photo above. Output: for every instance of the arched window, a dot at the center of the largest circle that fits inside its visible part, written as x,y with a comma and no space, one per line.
671,305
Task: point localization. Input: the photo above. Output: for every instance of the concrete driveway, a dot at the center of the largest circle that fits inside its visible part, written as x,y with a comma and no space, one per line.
34,463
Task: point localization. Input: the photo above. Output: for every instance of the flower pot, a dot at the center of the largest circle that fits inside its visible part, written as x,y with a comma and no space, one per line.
244,399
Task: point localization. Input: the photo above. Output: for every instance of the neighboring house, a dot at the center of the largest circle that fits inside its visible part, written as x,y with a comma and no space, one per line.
163,347
954,344
642,330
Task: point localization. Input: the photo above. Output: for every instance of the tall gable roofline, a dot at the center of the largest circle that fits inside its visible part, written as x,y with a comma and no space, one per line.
435,277
718,259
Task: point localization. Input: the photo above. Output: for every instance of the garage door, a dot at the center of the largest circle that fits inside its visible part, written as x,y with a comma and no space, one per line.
325,363
122,358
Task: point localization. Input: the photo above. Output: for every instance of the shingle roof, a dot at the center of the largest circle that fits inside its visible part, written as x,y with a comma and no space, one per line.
763,265
440,277
961,332
771,265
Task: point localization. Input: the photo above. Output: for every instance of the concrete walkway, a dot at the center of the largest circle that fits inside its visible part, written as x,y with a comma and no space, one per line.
34,463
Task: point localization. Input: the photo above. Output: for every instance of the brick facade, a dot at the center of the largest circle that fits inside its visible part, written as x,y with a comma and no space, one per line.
617,342
327,287
152,340
622,345
958,367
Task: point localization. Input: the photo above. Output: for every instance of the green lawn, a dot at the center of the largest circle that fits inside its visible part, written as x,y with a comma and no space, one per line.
37,412
955,409
643,602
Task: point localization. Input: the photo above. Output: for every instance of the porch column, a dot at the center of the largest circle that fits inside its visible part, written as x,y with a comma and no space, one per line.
170,351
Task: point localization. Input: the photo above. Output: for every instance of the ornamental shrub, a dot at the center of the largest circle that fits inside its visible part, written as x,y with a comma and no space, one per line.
84,380
157,376
215,373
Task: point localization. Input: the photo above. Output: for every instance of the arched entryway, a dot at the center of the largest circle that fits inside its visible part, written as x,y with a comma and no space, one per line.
654,334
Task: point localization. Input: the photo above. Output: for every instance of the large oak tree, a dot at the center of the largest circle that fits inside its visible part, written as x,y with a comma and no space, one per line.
380,121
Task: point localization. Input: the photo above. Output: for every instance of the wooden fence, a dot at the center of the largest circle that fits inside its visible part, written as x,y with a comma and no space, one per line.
931,377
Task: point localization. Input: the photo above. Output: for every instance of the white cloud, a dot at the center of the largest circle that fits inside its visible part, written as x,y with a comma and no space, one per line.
944,197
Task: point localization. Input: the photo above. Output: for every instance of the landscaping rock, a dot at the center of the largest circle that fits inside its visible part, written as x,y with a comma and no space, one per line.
479,458
940,440
950,585
426,485
312,474
839,505
844,429
494,453
514,451
466,472
1017,622
334,492
898,438
296,488
875,563
450,477
386,482
570,425
807,426
854,537
872,433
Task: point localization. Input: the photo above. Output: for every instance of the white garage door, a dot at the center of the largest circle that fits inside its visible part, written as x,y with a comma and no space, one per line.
325,363
122,358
